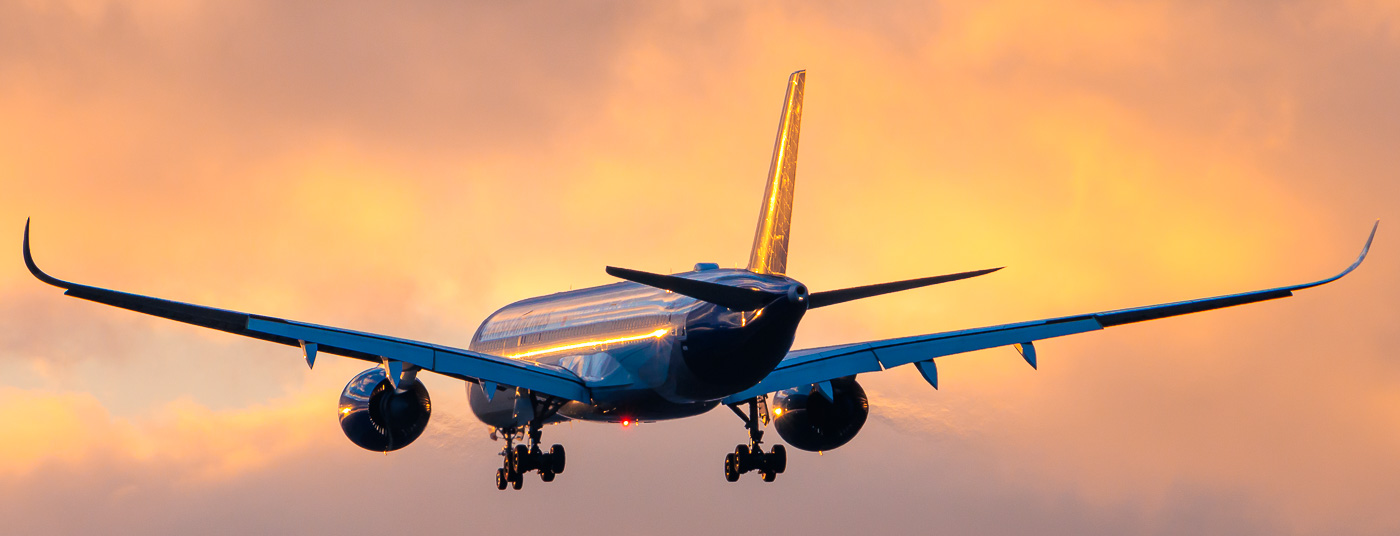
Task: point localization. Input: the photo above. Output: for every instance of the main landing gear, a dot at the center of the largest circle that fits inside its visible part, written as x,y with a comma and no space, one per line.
751,457
521,459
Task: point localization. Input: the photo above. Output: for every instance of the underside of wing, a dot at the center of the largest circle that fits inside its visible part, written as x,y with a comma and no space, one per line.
313,339
816,365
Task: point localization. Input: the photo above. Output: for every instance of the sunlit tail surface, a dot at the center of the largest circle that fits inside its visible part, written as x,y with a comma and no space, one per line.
770,240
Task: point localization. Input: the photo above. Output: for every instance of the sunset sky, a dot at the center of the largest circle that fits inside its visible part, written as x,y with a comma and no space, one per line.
407,168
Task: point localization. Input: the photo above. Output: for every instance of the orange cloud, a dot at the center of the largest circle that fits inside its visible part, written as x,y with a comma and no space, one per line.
408,170
198,444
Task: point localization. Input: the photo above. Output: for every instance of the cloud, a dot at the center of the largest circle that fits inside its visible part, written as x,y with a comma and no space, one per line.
408,169
192,443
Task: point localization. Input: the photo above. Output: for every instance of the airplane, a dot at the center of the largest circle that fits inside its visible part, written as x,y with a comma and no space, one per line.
653,347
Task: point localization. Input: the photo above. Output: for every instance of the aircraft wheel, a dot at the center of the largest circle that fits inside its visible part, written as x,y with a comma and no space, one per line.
731,469
741,451
517,480
501,479
519,461
777,459
547,475
556,458
768,476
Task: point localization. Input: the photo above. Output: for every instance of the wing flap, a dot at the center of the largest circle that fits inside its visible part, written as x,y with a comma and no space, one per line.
821,366
896,352
333,338
448,361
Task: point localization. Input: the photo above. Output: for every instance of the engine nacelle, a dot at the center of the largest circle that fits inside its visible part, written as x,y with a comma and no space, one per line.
378,418
807,420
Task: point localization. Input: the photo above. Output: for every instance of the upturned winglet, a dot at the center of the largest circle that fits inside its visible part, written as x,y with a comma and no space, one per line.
1364,250
34,268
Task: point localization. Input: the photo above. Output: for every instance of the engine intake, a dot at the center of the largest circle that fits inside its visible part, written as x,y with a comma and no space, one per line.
807,420
377,417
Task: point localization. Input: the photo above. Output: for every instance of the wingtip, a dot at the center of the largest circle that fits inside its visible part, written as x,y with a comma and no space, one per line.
34,268
984,271
1365,249
1370,238
28,259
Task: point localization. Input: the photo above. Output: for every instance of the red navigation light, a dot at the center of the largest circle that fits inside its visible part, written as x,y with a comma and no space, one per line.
626,422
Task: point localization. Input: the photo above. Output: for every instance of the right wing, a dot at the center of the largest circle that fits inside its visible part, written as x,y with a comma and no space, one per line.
454,362
814,366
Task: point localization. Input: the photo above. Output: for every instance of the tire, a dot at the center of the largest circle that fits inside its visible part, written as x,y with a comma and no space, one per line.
547,475
519,463
517,481
769,476
501,479
731,471
556,458
777,459
741,451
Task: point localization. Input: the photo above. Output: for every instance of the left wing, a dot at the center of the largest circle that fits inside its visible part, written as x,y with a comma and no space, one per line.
467,365
817,365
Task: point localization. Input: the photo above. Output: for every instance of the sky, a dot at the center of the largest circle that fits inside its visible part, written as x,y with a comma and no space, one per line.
408,168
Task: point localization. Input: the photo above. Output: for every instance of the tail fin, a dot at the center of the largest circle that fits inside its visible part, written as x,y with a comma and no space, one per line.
770,241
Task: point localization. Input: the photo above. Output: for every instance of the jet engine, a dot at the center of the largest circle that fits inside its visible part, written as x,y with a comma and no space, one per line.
378,417
807,420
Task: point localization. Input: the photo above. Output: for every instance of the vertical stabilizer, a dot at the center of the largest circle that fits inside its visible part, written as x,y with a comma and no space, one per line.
770,241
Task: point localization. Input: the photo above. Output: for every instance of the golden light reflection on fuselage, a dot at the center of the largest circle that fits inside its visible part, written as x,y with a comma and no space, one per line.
585,344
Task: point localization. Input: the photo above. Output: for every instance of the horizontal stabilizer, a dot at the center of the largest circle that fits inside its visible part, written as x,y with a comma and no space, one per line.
738,299
833,297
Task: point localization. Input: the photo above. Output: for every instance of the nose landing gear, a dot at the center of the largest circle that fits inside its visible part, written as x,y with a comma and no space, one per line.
751,457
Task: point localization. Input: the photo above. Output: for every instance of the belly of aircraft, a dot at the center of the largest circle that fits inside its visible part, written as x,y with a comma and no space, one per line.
629,381
634,406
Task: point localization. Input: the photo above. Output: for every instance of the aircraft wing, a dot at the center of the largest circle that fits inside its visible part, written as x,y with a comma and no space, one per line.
817,365
454,362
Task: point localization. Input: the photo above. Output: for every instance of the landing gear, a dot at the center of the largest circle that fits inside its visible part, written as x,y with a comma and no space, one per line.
751,457
521,459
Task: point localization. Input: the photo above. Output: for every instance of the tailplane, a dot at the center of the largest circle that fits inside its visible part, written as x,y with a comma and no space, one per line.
770,240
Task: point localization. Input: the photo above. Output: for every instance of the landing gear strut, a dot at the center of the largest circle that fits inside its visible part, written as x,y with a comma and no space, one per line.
751,457
521,459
